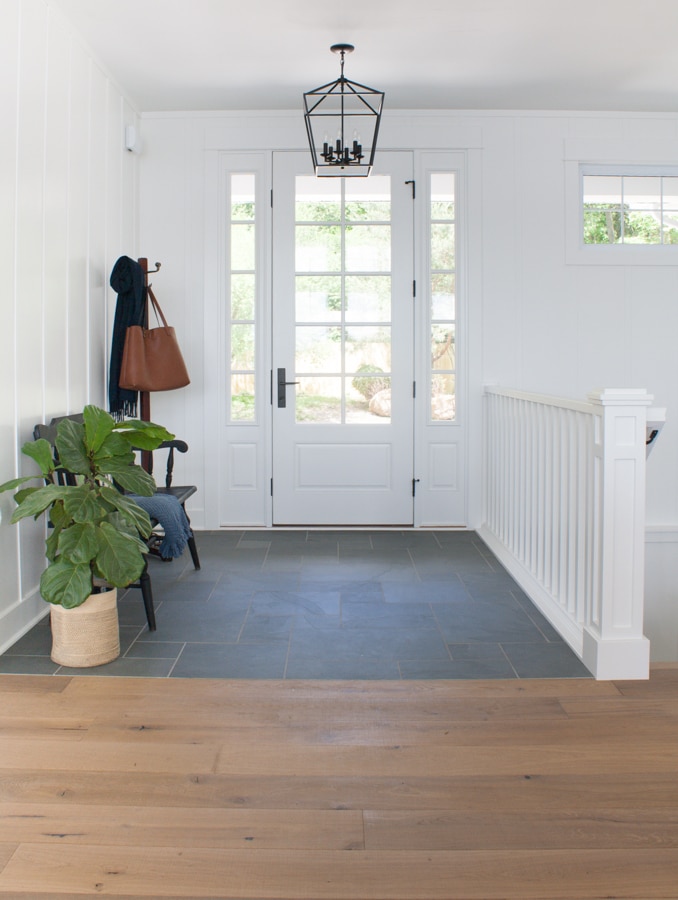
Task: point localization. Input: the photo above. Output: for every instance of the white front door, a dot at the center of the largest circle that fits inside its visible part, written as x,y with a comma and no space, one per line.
342,379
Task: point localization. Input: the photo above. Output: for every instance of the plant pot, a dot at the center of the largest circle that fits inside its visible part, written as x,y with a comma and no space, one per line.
87,635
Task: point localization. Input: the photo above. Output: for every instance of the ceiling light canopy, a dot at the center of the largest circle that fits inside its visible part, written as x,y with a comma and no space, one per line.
342,122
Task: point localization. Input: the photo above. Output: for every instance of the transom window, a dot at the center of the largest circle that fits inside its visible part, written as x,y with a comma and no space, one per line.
630,208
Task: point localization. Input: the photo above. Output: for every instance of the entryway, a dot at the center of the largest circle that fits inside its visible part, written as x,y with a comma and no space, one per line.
283,604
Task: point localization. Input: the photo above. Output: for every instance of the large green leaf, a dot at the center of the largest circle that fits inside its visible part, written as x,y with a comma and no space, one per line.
41,452
131,478
120,559
136,517
144,435
98,425
15,483
65,583
114,447
82,504
38,501
78,543
70,444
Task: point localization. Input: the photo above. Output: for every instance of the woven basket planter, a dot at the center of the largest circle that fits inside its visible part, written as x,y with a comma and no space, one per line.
87,635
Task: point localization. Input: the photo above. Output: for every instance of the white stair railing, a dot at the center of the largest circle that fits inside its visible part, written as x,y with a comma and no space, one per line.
564,511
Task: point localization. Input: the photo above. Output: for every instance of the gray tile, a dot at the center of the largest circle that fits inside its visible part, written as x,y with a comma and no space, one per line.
126,667
328,604
484,621
453,668
450,590
547,660
142,649
231,661
197,622
367,643
27,665
343,669
376,614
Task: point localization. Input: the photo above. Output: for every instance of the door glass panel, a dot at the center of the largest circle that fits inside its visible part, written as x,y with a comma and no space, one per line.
319,400
368,298
442,283
342,300
317,350
318,298
368,248
242,288
318,248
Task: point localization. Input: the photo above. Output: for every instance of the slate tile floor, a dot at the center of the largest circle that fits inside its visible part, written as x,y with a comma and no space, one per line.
328,605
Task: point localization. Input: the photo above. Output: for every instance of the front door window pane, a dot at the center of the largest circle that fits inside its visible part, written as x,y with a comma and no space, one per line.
343,300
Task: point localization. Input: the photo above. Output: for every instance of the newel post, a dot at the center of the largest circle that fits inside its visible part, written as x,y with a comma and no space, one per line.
614,645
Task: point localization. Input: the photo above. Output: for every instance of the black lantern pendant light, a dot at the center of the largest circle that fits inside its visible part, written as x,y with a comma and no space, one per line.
345,116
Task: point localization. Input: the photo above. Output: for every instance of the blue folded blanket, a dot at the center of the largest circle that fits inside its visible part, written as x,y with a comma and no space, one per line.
171,516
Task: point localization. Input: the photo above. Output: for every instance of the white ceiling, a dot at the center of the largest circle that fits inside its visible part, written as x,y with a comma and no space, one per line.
425,54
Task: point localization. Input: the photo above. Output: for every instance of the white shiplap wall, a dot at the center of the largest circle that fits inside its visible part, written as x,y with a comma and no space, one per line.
68,209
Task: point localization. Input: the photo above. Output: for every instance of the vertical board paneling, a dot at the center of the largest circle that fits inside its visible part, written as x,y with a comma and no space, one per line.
63,218
29,372
56,217
78,224
9,62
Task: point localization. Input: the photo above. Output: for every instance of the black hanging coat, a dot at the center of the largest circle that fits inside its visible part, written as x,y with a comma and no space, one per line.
127,280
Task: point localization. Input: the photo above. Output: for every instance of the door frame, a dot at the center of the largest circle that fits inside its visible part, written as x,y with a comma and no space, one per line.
250,505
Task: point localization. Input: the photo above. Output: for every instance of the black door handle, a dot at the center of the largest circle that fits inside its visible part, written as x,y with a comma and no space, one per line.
282,384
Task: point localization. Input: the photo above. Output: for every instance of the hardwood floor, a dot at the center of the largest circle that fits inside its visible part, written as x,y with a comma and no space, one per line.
200,788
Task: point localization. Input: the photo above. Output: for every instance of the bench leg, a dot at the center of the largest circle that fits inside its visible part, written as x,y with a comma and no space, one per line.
147,594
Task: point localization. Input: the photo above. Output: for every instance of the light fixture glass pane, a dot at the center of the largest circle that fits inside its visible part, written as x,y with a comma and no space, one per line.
242,398
242,346
368,298
318,248
442,347
318,298
242,296
368,400
317,349
317,200
242,247
368,248
368,199
442,196
368,345
318,400
442,246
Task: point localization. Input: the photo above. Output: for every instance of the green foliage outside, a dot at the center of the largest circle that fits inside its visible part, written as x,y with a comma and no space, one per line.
612,224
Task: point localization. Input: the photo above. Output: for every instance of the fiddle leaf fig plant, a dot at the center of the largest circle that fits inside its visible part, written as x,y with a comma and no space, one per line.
96,529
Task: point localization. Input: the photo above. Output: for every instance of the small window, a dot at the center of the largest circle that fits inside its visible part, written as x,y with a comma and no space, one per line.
630,209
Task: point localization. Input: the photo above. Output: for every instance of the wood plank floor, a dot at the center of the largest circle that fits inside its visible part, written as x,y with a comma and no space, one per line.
284,790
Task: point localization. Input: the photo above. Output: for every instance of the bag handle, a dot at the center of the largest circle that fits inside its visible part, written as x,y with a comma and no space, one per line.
156,307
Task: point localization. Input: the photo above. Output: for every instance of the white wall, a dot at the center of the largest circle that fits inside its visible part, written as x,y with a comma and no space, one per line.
69,208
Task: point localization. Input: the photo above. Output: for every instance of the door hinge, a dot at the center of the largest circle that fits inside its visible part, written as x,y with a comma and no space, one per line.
414,390
414,485
271,198
271,487
414,287
414,189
